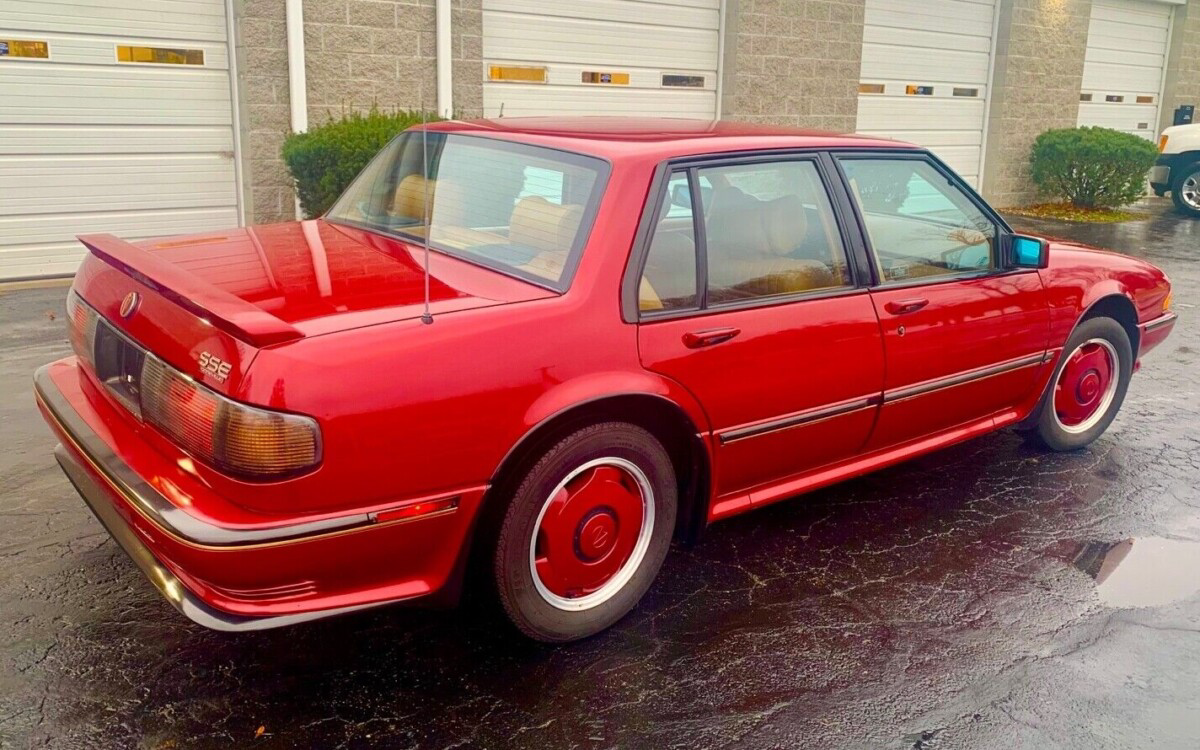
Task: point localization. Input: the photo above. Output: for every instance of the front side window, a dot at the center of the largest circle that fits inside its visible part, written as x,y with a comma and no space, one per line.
919,222
770,230
520,209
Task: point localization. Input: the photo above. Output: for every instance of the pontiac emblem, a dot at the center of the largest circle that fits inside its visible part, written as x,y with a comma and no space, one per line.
129,305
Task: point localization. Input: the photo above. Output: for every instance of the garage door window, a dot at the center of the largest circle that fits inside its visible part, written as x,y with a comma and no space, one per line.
919,222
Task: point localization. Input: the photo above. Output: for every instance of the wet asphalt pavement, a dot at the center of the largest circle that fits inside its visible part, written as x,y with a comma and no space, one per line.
987,596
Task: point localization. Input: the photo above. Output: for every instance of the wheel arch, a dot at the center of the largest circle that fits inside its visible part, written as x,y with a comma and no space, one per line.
659,415
1118,306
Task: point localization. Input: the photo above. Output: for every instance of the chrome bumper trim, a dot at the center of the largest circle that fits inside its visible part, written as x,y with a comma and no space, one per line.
158,509
1165,319
163,579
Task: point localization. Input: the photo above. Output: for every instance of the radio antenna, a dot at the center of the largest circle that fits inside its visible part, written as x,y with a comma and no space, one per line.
427,317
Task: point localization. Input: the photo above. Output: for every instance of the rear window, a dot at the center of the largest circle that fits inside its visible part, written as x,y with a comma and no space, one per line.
520,209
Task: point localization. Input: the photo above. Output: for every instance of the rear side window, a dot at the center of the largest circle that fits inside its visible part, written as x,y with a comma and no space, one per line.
770,230
919,222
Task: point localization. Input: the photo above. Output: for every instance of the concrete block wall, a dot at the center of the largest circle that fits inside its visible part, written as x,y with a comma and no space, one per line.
1183,63
358,54
1039,72
793,62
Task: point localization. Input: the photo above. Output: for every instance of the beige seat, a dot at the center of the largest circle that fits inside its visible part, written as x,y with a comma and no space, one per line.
750,243
548,228
409,199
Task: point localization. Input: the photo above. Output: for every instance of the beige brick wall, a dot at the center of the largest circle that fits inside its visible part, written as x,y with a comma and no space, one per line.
1183,67
358,54
793,62
1039,72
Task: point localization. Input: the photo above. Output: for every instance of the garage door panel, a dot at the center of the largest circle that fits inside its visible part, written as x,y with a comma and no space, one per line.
956,16
51,140
106,95
91,184
1111,78
170,19
531,100
600,43
920,65
102,50
874,35
25,231
1125,118
33,261
690,15
919,113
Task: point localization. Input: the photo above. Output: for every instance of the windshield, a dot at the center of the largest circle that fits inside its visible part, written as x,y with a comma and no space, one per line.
520,209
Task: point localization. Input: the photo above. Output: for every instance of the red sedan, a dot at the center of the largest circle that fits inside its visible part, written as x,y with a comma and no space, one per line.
634,329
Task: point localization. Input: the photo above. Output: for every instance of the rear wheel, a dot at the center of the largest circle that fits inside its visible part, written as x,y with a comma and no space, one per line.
1088,386
1186,190
586,532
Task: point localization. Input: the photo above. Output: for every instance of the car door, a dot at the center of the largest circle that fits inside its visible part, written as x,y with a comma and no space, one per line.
964,337
747,297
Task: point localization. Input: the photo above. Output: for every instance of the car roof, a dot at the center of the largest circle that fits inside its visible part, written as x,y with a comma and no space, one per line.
614,137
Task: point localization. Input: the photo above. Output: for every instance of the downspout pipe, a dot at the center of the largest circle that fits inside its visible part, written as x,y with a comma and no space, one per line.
297,82
445,53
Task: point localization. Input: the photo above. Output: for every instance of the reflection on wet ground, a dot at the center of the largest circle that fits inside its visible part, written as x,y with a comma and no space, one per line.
1146,572
951,602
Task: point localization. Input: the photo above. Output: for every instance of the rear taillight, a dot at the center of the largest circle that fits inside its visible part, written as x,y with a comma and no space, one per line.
82,332
236,438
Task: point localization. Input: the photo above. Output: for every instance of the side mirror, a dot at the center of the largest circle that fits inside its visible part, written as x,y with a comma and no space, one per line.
1028,252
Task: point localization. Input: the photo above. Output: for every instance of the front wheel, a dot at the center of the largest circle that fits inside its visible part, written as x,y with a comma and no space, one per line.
1088,386
1186,190
586,532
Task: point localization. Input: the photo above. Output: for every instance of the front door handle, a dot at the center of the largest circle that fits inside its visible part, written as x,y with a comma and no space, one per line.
699,339
902,306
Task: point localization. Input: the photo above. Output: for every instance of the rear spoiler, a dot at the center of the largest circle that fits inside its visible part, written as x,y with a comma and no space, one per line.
231,314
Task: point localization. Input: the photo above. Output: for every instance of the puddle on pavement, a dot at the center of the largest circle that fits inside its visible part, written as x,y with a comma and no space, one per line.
1143,572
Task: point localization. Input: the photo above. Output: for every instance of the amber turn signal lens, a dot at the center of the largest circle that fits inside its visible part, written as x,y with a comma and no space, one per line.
1162,144
236,438
1167,302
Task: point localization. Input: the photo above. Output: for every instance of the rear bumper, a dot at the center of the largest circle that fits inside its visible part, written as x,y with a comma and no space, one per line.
247,577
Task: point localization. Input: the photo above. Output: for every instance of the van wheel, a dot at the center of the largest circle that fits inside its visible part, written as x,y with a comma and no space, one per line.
1186,190
586,532
1088,386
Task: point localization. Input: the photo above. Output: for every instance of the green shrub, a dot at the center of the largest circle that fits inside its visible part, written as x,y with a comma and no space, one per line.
324,160
1092,167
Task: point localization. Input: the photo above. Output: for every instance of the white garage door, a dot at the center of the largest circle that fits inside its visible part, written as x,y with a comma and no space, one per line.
925,69
603,57
115,116
1123,70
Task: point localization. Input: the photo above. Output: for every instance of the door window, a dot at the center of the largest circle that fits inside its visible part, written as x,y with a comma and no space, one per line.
770,230
919,222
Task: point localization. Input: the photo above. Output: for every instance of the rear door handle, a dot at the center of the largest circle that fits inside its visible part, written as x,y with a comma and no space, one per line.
902,306
699,339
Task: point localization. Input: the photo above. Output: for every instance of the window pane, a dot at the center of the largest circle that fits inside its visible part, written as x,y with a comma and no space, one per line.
517,208
770,230
920,224
669,281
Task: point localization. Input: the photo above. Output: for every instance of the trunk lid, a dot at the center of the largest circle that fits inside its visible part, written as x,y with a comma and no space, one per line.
207,303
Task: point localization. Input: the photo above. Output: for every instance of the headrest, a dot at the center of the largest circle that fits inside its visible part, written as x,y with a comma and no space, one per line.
409,200
544,226
785,224
734,227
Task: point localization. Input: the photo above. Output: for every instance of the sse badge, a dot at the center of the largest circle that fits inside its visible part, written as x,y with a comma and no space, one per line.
215,366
